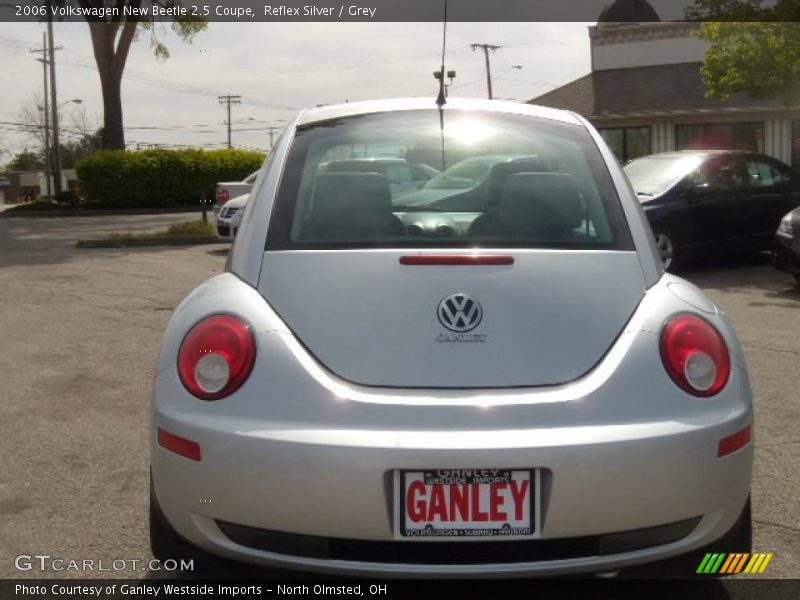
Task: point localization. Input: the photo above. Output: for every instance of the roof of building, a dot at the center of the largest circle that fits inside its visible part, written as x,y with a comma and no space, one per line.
627,11
659,90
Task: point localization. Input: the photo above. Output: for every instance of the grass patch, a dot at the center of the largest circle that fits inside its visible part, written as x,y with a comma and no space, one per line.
188,232
190,228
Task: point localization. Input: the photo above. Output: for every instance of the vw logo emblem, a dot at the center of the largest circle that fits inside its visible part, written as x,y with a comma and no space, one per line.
460,312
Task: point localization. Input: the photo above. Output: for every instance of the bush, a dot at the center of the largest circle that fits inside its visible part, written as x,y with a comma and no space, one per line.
67,198
160,178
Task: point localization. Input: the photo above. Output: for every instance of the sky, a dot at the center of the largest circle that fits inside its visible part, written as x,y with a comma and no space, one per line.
277,69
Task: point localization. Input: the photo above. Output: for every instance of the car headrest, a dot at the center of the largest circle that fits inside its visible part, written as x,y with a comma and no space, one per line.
549,200
351,199
502,171
352,166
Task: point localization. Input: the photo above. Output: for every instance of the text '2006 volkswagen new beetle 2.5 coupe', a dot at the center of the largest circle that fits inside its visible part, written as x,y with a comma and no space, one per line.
494,381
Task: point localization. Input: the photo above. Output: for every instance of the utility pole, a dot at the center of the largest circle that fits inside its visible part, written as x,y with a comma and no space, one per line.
272,129
486,48
228,101
45,108
54,106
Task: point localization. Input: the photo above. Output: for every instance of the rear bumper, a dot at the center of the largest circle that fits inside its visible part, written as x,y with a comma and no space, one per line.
337,485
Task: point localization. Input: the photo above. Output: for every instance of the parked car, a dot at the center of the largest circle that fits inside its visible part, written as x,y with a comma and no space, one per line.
720,201
786,252
402,175
226,190
230,217
463,186
529,395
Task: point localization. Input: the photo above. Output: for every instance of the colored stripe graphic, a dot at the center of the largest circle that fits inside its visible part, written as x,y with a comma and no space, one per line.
758,563
711,563
764,564
727,564
738,567
734,563
731,564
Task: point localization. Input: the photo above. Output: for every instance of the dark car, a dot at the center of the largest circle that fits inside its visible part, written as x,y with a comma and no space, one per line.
712,201
786,252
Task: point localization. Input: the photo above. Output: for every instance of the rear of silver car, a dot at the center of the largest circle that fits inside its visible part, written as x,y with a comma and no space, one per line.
487,394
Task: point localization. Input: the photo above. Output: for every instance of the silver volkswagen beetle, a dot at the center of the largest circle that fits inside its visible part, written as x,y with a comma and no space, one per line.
494,377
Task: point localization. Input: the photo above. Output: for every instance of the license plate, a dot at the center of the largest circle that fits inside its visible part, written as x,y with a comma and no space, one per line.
466,503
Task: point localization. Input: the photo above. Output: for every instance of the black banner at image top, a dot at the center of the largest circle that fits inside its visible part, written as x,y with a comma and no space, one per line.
249,11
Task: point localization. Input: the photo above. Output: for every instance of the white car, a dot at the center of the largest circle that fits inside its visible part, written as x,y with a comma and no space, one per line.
522,392
227,190
230,217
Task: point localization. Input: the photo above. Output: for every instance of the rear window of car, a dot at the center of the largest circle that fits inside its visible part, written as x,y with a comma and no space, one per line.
654,175
471,179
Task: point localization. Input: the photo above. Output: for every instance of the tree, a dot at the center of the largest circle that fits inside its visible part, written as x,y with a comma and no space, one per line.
72,152
33,124
752,48
32,121
111,40
25,161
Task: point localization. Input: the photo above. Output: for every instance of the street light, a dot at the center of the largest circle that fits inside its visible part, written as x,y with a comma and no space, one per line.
73,101
511,68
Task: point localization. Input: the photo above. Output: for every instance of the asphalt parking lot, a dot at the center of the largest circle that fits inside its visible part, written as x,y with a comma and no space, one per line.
80,332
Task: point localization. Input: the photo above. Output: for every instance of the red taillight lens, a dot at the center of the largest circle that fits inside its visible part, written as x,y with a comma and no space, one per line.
695,355
216,357
223,196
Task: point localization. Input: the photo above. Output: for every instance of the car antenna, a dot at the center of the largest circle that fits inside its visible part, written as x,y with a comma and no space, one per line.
441,100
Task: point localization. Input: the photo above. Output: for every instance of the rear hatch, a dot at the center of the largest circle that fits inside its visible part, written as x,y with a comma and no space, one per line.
356,270
546,319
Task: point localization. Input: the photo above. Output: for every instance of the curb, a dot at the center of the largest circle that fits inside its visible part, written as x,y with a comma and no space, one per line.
191,240
55,214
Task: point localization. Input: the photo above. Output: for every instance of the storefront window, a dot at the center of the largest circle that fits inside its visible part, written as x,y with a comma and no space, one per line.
627,143
720,136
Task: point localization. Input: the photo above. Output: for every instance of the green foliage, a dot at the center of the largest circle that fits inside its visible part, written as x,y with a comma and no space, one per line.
160,178
730,10
72,152
743,10
758,57
25,161
189,229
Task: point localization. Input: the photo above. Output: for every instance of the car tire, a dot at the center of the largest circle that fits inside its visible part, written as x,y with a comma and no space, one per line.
668,246
165,542
796,277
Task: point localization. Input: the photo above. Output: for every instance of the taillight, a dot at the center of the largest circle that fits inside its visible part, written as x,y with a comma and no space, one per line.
695,355
223,195
216,357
